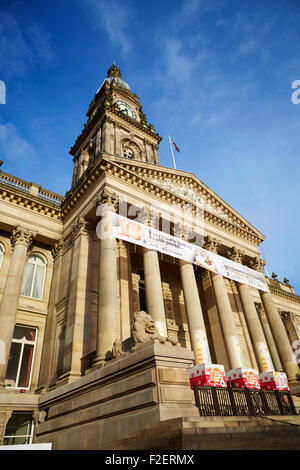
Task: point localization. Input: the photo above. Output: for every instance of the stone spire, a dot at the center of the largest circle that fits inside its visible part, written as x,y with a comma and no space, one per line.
114,71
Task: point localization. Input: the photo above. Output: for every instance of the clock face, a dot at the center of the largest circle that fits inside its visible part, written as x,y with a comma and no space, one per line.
126,109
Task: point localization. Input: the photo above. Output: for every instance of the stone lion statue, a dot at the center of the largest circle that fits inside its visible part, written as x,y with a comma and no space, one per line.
143,329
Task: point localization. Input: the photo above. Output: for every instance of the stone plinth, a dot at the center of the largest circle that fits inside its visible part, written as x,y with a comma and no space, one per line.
127,394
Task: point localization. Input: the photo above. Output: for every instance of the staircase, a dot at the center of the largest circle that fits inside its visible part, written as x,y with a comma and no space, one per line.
217,433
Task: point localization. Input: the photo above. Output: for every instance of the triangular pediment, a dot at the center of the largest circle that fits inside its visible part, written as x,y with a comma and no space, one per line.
190,189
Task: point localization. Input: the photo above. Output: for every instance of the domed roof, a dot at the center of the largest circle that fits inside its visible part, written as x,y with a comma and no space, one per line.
114,74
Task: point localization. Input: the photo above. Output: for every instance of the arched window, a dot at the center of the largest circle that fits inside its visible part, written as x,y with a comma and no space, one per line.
34,276
1,254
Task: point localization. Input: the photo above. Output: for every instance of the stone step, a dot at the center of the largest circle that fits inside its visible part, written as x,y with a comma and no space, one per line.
217,433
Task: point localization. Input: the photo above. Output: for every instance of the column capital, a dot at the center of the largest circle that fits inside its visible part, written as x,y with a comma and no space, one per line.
81,227
257,263
211,243
153,220
142,216
22,236
177,230
286,316
235,254
107,198
121,244
187,233
260,309
57,249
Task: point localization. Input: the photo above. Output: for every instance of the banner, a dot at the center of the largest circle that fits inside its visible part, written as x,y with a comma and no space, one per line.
153,239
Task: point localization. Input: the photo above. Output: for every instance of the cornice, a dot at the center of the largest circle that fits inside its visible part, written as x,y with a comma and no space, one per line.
134,174
233,223
285,295
149,171
29,201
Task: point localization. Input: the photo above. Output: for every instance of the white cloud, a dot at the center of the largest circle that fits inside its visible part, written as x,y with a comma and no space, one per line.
113,18
22,48
15,150
179,65
15,55
41,43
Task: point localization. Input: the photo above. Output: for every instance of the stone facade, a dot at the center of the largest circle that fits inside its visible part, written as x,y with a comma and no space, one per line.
85,371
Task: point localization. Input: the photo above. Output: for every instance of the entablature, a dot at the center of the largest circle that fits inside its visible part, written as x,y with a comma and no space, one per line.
145,178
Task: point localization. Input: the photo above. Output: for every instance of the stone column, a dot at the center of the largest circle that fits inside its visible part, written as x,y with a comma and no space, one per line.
269,337
21,240
77,300
195,319
224,308
46,369
124,275
118,139
289,321
153,288
107,324
284,348
106,137
258,341
75,170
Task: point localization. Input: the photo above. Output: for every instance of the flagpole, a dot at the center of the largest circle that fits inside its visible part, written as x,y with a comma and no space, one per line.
172,152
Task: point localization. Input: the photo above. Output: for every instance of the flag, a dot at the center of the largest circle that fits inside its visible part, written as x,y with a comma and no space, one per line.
176,148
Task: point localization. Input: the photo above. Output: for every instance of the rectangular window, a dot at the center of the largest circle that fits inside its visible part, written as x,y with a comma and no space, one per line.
19,429
19,368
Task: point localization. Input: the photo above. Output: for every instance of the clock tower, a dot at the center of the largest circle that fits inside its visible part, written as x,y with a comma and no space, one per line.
116,126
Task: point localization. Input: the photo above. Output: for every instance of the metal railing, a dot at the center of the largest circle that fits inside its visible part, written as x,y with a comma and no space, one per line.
221,401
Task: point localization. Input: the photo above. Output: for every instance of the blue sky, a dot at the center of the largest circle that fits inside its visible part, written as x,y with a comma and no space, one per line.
215,75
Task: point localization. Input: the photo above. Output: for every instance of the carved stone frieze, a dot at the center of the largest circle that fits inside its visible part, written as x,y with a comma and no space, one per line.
188,191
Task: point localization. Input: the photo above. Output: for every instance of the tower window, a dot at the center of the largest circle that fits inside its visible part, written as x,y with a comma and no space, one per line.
34,277
128,153
19,368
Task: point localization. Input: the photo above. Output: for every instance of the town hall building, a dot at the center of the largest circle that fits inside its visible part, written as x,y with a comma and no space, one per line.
97,334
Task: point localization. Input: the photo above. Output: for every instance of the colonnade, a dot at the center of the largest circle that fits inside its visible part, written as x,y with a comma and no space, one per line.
155,307
269,340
